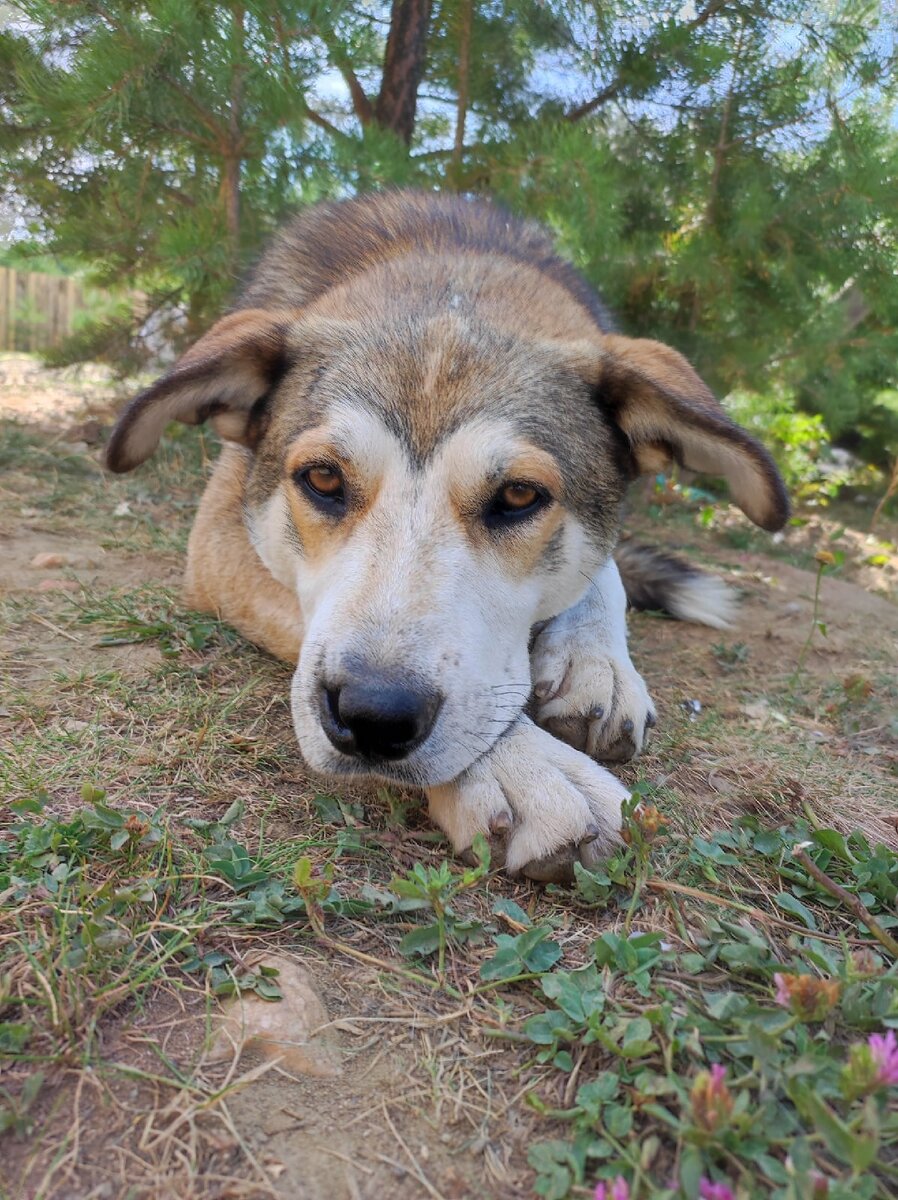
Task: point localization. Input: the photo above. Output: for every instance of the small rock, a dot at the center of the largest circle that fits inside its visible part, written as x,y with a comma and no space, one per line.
122,510
280,1029
48,560
721,784
58,585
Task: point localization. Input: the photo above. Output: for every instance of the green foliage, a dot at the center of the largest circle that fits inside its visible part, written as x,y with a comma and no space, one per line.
529,953
801,442
127,622
436,888
679,1062
15,1116
795,1098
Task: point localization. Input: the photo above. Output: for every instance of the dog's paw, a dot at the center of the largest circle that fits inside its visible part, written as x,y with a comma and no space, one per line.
594,700
541,805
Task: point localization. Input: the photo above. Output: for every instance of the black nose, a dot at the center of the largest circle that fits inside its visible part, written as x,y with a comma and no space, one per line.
376,716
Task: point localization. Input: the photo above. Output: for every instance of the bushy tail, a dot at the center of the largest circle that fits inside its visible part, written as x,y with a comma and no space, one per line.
655,580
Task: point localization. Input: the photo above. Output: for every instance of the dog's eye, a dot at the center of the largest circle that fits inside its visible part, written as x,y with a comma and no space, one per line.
323,485
518,496
515,501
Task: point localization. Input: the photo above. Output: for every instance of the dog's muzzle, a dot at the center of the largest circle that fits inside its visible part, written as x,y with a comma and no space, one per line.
376,717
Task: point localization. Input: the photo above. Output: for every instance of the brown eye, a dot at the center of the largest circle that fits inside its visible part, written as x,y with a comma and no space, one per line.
518,495
324,480
515,502
324,487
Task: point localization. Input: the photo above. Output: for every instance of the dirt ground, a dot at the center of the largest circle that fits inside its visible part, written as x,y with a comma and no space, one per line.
771,718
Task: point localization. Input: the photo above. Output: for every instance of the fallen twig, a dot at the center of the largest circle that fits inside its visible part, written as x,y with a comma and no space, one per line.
852,903
757,914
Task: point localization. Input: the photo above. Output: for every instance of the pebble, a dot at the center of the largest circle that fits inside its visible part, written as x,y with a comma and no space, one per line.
49,560
280,1029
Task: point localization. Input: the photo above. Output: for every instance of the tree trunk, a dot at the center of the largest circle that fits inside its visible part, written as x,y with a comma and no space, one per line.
464,80
403,67
233,156
230,191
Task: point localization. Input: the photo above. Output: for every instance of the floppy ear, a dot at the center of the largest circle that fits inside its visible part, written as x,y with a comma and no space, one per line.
669,415
223,376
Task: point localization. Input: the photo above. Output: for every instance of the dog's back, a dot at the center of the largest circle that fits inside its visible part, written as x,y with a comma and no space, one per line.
329,243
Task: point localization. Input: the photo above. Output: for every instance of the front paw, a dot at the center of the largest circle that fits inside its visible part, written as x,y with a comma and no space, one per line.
541,805
592,699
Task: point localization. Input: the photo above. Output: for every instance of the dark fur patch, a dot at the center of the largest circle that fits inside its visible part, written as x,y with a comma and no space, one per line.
553,554
651,576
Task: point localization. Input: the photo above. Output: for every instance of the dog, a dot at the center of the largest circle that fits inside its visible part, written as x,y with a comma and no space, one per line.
429,425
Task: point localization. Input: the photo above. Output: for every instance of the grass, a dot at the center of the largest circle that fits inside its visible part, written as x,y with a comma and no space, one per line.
161,840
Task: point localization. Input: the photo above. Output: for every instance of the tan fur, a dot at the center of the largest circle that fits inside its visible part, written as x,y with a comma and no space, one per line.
671,416
233,332
225,576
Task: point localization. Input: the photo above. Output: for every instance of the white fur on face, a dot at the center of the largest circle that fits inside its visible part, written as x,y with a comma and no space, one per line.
410,591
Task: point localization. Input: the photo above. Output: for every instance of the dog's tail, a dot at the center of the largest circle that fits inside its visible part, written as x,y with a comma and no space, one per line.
655,580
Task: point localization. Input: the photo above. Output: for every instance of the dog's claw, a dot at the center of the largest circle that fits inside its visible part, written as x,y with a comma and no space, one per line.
559,867
543,806
601,704
554,868
592,832
500,824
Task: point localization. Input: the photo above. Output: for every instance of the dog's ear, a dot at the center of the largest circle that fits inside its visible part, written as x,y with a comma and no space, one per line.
669,415
223,376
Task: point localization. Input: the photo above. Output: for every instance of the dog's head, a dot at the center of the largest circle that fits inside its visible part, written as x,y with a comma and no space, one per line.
437,457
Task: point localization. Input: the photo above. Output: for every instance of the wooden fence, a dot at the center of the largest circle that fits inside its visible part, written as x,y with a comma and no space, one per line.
37,311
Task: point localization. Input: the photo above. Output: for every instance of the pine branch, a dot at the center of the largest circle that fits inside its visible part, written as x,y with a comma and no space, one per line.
322,122
309,113
205,118
361,105
202,114
621,83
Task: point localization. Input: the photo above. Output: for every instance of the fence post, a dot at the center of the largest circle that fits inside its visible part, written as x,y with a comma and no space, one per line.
37,310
